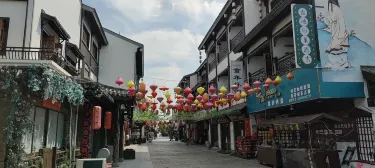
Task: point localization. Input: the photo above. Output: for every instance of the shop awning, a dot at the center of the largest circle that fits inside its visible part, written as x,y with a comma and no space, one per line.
309,119
368,72
233,109
55,25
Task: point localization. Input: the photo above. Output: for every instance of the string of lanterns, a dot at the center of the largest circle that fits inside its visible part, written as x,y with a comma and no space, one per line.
186,102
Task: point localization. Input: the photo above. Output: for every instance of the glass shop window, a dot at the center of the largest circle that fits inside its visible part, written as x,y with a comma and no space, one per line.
55,129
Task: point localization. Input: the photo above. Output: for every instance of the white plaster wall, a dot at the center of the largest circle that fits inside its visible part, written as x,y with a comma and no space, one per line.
223,81
193,80
282,23
219,135
234,31
256,44
16,11
280,49
68,12
212,75
251,14
256,63
117,60
222,65
231,129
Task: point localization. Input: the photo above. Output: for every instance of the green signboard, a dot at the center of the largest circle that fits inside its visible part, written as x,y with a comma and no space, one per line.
304,36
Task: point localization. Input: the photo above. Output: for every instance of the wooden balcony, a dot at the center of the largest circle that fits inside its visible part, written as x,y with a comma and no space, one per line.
237,39
212,65
25,53
89,59
223,53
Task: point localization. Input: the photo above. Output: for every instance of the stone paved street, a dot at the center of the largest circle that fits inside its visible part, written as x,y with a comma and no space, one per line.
162,153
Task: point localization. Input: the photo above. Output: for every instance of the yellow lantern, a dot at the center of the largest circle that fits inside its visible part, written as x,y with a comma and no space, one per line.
278,79
177,90
225,102
167,95
205,97
243,94
196,102
220,95
130,84
223,90
149,96
200,90
200,106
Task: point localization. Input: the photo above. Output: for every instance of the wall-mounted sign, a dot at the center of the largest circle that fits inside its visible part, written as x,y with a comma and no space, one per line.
222,120
269,94
50,104
247,127
236,73
85,141
304,36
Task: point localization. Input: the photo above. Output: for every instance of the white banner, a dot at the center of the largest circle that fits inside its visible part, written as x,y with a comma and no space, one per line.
236,73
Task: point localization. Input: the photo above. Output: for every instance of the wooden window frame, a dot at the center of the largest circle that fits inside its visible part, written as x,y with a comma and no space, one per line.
95,55
86,31
4,37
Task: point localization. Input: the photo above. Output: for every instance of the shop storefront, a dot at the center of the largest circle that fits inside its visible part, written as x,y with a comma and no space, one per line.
225,138
214,132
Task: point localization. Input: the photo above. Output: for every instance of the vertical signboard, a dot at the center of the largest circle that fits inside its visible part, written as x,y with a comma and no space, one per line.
236,73
247,127
305,48
86,131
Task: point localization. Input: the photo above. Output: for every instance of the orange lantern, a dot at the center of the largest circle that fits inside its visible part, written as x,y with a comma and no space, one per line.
108,120
162,104
177,90
268,81
144,107
96,117
205,97
142,87
290,76
139,95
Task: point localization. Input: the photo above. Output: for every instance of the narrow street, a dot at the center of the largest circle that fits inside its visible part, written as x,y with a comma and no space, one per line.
162,153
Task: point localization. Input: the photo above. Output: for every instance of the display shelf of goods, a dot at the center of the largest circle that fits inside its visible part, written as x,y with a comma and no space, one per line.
21,87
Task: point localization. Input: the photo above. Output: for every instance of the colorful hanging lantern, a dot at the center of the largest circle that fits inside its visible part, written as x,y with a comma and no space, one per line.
230,96
139,104
266,86
256,84
200,106
180,101
169,100
187,91
234,88
144,107
237,96
202,101
177,90
223,90
153,87
142,86
96,118
246,86
190,96
196,101
290,76
199,97
193,107
163,88
268,81
212,89
139,95
150,96
119,81
221,95
278,80
188,101
147,102
167,95
243,94
154,94
205,97
214,97
160,99
144,92
162,105
200,90
179,97
170,106
130,84
131,91
251,91
186,107
108,120
224,102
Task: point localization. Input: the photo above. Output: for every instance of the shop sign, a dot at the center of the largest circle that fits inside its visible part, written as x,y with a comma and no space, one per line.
52,105
247,127
222,120
236,73
290,127
85,141
236,117
269,94
305,47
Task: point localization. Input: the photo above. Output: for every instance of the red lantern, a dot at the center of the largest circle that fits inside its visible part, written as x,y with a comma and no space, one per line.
139,104
266,86
246,86
160,99
230,96
119,81
153,87
147,102
108,120
144,107
131,91
180,101
154,94
162,105
188,101
190,96
214,97
187,91
193,107
144,92
96,117
212,89
163,88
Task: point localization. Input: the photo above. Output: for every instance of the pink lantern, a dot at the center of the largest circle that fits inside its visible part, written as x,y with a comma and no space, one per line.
257,84
199,97
193,107
169,101
212,89
246,86
214,97
119,81
188,101
251,91
202,101
230,96
190,96
234,88
180,101
131,91
187,91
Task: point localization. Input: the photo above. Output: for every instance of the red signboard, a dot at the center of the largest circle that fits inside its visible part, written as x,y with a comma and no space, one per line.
247,127
85,141
50,105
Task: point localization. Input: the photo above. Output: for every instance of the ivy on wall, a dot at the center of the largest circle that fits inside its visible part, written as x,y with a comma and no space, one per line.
20,87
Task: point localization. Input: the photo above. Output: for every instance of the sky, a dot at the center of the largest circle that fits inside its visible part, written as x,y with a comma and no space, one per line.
171,31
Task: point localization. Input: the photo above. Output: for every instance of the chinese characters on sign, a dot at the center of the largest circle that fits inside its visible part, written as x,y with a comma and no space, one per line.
269,94
300,93
304,36
86,131
236,73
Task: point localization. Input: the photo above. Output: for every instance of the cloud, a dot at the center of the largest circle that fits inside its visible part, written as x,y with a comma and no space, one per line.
199,8
169,55
138,10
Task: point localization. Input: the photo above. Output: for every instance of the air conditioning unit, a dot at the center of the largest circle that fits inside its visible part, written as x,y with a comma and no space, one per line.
91,163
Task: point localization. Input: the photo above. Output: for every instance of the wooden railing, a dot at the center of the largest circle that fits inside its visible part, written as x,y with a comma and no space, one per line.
89,59
237,39
223,53
286,64
25,53
212,65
